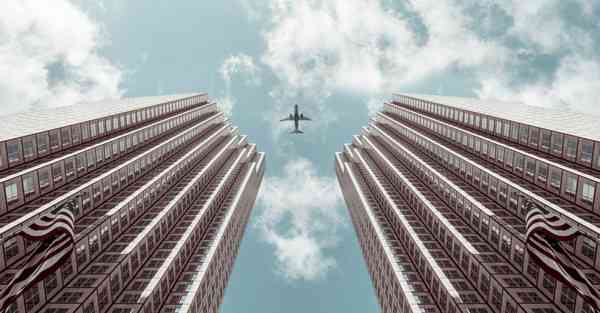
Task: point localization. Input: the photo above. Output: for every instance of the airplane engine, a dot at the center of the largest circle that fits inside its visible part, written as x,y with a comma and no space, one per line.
301,115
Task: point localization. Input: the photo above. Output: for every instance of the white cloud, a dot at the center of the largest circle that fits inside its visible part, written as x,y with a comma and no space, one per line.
317,47
49,56
300,218
226,104
237,65
575,85
243,65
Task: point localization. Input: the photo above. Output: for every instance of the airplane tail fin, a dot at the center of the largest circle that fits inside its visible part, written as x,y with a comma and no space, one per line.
296,132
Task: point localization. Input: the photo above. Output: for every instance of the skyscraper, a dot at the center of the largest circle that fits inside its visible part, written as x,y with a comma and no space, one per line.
161,187
438,191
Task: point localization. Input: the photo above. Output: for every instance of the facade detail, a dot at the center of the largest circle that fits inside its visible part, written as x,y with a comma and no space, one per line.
438,190
161,187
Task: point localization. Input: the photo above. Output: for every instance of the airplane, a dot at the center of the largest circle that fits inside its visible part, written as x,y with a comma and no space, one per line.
296,118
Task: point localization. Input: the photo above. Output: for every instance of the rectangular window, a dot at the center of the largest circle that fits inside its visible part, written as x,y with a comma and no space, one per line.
44,178
557,143
545,140
555,178
588,192
12,150
28,148
530,167
571,187
54,140
588,248
587,149
571,147
524,133
65,136
28,184
10,190
42,143
542,172
534,136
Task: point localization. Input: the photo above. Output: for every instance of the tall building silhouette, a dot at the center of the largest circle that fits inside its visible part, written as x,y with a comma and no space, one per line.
162,189
437,189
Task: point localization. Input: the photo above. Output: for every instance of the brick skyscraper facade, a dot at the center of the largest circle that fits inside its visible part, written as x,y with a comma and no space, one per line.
163,188
436,188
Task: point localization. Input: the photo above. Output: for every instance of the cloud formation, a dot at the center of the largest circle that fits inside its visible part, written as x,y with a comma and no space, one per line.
241,65
49,56
374,48
300,217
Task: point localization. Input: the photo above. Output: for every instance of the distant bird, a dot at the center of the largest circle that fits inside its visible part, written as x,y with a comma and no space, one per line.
296,117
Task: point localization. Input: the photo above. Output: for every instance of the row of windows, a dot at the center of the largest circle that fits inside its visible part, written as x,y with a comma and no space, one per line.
31,147
201,222
585,248
570,184
31,183
87,248
453,243
504,192
552,178
95,192
479,274
566,146
433,275
210,268
462,204
388,268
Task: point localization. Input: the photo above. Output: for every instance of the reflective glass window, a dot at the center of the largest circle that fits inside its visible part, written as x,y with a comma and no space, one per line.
12,149
571,186
571,147
28,184
587,192
10,190
28,148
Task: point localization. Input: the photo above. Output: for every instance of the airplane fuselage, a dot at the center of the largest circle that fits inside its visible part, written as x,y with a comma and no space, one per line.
296,117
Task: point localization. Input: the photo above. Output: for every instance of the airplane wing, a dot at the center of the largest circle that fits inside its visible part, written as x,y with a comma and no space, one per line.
304,118
286,119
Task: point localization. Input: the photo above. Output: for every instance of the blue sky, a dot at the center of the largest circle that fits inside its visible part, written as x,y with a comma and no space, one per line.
338,59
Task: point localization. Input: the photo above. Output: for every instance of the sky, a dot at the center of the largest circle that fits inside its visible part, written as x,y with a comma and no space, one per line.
340,60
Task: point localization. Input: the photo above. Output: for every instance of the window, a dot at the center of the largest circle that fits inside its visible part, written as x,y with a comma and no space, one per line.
523,133
555,178
12,150
10,190
534,136
65,136
56,172
514,132
53,140
50,283
571,187
557,143
587,149
530,167
587,193
545,140
28,184
28,147
44,177
588,248
542,172
567,298
31,297
549,283
42,143
11,248
519,162
571,147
